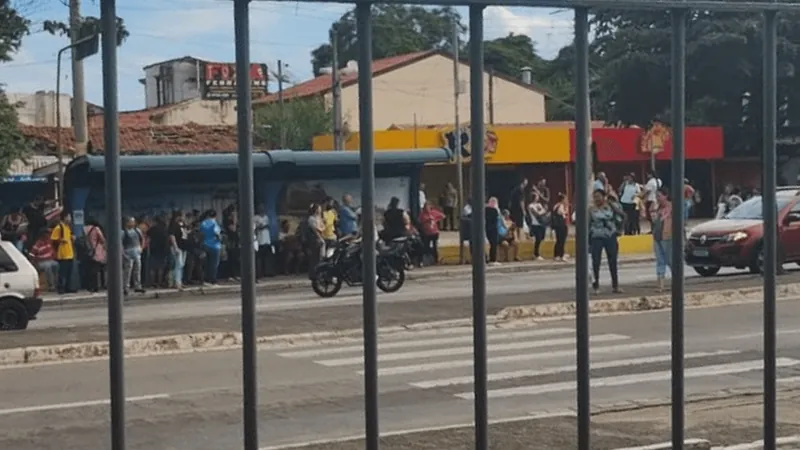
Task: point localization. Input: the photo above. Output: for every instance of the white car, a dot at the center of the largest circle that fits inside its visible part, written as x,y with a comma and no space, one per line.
20,296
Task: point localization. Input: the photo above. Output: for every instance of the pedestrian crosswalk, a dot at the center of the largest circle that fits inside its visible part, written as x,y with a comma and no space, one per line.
531,361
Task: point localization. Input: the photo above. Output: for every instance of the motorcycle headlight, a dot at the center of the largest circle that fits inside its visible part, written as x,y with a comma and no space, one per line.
735,237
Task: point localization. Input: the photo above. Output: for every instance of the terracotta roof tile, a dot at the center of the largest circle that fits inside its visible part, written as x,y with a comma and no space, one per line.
144,139
139,117
322,84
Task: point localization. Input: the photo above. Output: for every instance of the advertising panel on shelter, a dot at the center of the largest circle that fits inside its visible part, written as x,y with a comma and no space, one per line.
635,144
502,145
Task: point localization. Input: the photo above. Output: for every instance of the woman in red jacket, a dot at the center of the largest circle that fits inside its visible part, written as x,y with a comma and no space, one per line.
429,219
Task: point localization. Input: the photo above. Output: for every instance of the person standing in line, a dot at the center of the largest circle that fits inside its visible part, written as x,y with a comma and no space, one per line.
628,191
465,227
348,219
429,220
212,244
132,241
688,198
517,207
43,257
537,223
603,233
315,244
650,190
158,237
423,197
558,222
329,219
96,254
662,236
264,254
493,229
178,240
449,200
63,243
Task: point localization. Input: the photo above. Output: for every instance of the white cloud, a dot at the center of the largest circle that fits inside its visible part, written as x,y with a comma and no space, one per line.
550,29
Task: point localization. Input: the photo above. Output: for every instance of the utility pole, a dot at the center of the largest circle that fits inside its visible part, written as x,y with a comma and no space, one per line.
78,86
457,137
336,87
491,95
280,105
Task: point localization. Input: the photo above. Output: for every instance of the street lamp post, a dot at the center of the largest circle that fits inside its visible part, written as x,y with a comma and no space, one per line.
59,152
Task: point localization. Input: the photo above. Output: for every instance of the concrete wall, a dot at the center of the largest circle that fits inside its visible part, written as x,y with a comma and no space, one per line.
184,83
202,112
425,89
39,109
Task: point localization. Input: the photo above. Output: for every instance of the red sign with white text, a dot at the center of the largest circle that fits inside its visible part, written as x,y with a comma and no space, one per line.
631,144
220,80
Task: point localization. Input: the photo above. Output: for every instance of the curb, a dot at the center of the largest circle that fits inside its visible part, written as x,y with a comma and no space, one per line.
200,342
786,443
645,303
508,317
303,283
688,444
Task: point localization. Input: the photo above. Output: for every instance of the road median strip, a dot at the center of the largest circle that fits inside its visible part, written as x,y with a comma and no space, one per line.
647,303
505,318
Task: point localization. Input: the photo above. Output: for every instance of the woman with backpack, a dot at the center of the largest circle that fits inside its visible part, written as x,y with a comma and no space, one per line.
95,255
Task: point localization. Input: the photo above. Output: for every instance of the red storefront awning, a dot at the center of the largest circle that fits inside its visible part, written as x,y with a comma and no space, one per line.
625,144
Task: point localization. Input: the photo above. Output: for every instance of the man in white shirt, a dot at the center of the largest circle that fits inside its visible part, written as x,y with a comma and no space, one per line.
650,191
264,240
628,192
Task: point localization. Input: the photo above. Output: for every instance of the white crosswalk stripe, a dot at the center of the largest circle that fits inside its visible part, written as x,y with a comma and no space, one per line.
528,361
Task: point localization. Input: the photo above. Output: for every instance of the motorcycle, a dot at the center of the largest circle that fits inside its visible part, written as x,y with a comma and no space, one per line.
343,265
412,249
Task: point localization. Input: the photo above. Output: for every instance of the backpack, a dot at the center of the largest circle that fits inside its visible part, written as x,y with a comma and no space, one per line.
82,248
501,226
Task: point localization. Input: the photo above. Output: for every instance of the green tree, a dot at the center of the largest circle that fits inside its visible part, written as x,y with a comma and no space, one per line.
300,121
397,29
723,82
13,145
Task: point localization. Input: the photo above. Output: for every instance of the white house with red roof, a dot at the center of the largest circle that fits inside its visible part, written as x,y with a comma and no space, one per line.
418,88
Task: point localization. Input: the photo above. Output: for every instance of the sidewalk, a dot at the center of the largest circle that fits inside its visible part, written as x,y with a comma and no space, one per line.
284,283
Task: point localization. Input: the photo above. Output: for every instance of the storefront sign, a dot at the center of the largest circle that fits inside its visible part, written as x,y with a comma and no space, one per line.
626,144
503,145
220,80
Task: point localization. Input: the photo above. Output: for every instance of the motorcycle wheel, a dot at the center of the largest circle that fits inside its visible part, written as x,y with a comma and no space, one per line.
391,279
407,263
326,285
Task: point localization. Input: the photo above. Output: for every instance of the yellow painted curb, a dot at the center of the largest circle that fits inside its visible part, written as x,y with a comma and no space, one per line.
628,245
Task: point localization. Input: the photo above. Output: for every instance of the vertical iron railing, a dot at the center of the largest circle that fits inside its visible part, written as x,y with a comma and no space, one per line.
116,338
678,223
244,134
770,213
478,164
583,143
367,153
367,169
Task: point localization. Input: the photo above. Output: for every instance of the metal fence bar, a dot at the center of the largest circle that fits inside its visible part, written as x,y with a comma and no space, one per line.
367,154
477,137
244,122
770,213
634,5
116,338
678,222
583,135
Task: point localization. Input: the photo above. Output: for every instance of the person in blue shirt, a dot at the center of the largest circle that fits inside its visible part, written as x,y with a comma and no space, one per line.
212,244
348,219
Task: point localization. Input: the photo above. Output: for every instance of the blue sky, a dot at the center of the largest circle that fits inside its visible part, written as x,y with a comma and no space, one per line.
162,30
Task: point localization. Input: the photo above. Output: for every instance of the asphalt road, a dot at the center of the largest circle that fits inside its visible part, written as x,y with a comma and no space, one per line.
309,393
302,311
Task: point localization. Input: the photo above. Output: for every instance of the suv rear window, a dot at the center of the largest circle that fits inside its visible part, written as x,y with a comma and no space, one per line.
6,263
753,209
